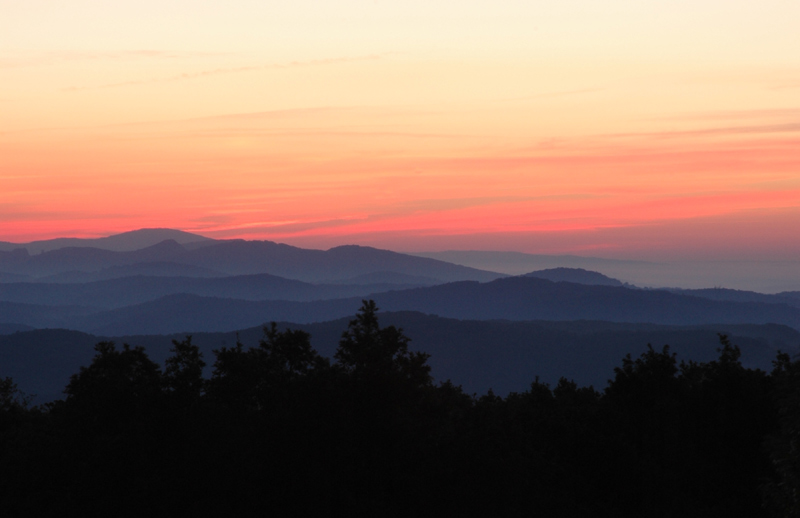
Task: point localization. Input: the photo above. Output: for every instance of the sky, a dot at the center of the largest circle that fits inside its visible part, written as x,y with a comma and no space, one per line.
621,129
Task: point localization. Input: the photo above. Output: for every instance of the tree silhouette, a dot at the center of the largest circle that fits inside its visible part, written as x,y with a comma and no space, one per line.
278,427
183,373
782,493
12,400
118,387
254,376
288,354
368,351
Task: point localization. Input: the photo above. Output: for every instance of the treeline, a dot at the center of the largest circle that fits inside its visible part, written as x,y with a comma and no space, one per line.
279,429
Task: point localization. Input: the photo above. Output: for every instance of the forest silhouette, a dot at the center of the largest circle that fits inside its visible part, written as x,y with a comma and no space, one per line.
278,428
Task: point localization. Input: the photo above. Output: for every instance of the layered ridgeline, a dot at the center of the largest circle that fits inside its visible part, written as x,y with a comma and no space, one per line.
205,257
765,276
124,242
515,298
189,283
482,326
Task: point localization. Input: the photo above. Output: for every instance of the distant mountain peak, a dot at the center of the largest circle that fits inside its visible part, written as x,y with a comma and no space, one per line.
124,242
575,275
147,237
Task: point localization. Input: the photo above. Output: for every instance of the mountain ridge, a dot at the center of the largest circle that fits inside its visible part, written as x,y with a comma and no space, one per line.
122,242
512,298
575,275
120,292
240,257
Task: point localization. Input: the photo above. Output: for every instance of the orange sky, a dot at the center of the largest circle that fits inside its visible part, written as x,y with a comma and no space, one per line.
666,129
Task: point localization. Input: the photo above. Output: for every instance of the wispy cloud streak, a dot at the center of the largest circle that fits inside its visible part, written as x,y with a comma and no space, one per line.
775,113
232,70
47,58
564,93
729,130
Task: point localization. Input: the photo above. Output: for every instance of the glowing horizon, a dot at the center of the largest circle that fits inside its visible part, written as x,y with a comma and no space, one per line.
622,131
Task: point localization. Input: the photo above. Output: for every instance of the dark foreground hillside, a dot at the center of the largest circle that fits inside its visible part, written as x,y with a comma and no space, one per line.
477,354
279,429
